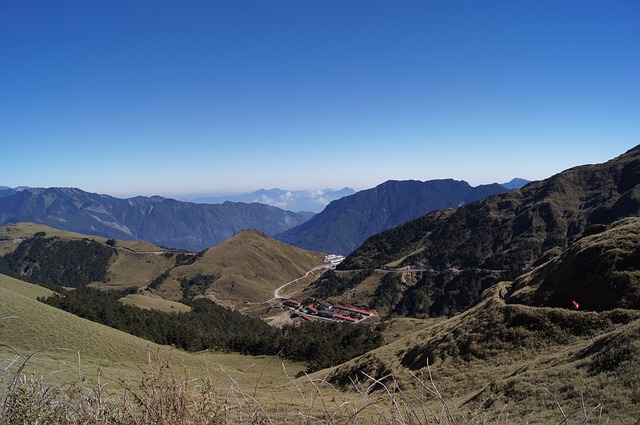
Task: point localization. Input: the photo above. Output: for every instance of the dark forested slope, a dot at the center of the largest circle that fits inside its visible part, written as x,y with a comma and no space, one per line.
512,230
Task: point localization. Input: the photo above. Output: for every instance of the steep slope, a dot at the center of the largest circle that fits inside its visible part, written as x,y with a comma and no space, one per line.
245,268
600,271
344,224
512,230
159,220
449,257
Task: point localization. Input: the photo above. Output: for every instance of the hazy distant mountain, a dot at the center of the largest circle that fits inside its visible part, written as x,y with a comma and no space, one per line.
516,183
158,220
344,224
5,191
296,200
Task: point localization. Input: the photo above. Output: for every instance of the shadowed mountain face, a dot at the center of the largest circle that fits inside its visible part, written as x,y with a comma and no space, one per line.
514,230
158,220
345,223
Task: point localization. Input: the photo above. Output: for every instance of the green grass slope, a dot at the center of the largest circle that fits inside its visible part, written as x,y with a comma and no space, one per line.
28,326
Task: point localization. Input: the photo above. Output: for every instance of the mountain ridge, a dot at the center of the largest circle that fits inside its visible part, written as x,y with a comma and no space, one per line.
345,223
545,214
450,256
158,220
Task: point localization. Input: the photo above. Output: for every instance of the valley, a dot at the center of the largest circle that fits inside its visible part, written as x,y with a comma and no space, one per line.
413,322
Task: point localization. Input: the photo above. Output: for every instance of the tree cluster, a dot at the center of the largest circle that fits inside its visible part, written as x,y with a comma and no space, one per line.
332,283
210,326
54,261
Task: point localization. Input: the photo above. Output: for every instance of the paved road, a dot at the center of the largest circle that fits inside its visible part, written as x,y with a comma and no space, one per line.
276,293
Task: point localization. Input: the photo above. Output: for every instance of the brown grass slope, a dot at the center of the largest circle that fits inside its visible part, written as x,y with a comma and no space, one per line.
11,235
137,263
247,268
515,229
515,360
528,359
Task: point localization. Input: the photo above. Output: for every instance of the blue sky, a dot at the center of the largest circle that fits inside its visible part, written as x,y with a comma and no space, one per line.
156,97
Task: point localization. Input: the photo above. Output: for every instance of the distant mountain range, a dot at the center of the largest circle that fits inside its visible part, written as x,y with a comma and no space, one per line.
345,223
291,200
162,221
196,226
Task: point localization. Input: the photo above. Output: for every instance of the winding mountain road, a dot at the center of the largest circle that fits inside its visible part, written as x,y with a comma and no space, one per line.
276,293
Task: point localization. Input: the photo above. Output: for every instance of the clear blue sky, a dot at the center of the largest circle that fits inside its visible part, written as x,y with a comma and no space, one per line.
155,97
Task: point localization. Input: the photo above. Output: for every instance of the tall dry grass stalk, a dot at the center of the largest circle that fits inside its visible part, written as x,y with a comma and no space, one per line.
165,397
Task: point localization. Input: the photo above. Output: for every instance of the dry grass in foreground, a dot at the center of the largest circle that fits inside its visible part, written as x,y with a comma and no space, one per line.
165,397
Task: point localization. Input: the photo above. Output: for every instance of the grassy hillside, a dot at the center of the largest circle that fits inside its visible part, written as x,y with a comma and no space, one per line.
514,361
601,271
150,301
28,326
99,375
520,360
245,268
11,235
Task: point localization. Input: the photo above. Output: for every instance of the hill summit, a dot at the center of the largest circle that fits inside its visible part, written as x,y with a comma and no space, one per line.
345,223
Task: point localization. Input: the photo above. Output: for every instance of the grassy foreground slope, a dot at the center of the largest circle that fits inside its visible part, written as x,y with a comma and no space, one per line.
27,326
515,361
